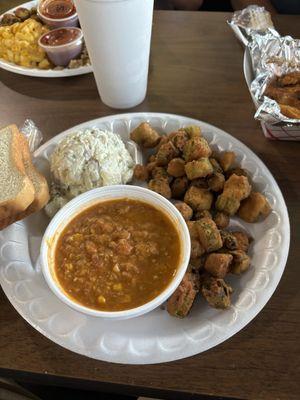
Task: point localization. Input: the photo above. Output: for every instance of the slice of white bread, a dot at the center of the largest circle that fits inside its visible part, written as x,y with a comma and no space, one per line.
16,189
41,191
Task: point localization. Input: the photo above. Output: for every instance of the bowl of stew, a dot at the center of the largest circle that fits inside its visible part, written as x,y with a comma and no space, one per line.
116,252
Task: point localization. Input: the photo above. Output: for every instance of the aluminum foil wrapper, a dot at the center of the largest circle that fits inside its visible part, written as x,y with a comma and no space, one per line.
272,56
32,133
250,21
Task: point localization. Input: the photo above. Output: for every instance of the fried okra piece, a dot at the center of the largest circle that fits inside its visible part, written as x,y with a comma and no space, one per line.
216,165
160,186
254,207
198,199
150,166
166,153
192,227
179,140
179,187
236,188
9,19
197,250
240,262
198,168
216,292
216,182
145,136
229,240
237,171
22,13
226,160
217,264
184,210
181,301
192,131
196,148
209,234
159,173
242,241
202,214
140,172
222,220
176,167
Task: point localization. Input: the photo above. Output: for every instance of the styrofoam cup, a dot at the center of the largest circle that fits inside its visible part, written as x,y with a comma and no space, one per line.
118,35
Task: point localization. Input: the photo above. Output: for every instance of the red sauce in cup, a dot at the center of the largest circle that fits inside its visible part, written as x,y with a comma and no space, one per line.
60,36
58,9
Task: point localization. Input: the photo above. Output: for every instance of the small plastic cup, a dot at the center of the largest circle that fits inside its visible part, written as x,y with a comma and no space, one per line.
71,21
62,54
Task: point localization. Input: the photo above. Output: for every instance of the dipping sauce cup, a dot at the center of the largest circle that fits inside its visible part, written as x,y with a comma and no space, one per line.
58,13
62,45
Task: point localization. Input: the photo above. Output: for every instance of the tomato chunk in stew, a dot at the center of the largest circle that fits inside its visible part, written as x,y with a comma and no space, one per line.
117,255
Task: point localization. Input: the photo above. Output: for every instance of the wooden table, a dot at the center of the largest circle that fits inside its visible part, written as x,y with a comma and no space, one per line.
196,70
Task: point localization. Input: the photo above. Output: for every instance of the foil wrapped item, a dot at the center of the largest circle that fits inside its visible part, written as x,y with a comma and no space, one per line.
32,133
250,21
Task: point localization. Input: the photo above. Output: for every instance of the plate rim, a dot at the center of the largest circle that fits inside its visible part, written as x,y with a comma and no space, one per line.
40,73
216,339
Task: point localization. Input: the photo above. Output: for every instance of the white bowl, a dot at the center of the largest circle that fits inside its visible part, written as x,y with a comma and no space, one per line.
86,200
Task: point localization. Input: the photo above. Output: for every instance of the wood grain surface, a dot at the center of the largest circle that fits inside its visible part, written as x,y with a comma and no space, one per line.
196,70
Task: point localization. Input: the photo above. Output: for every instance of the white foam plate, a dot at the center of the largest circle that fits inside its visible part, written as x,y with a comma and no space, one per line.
41,73
155,337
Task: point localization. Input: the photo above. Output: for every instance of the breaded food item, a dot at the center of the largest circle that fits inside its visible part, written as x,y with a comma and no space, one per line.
202,214
254,207
216,292
179,187
159,173
166,153
209,234
227,160
192,227
160,186
240,262
145,136
236,188
216,182
198,199
181,301
198,168
229,240
199,183
197,250
217,264
222,220
293,78
176,167
196,148
140,173
184,210
242,241
192,131
179,139
19,44
290,111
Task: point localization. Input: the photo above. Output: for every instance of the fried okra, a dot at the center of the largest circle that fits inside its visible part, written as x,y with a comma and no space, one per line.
222,220
181,301
240,262
200,183
159,173
236,188
196,148
197,250
216,165
216,292
254,207
179,187
226,160
145,136
22,13
166,153
198,168
202,214
179,140
229,240
217,264
192,227
192,131
242,241
160,186
184,210
198,199
176,167
209,234
216,182
140,173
